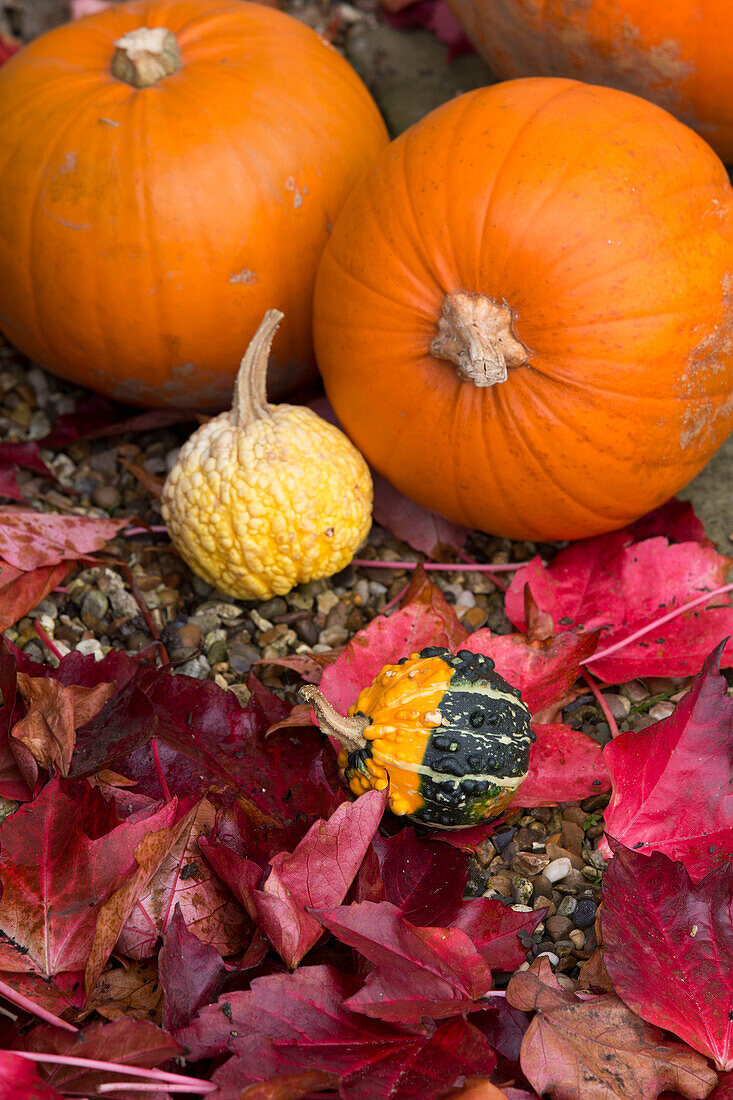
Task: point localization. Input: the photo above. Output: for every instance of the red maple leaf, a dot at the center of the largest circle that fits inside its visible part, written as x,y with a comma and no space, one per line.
191,973
19,1078
617,586
20,591
8,47
544,668
96,417
673,781
422,530
668,947
424,618
431,971
316,875
19,455
426,882
598,1049
565,765
126,1042
184,882
30,539
60,867
290,1022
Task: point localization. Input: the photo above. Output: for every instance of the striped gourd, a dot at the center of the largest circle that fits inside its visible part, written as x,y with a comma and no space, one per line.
445,731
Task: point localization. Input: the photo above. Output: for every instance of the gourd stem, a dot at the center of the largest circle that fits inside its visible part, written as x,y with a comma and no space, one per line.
250,388
475,333
146,55
349,732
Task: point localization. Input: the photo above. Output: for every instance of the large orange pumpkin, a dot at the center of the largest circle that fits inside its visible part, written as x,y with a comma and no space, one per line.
524,314
145,230
678,53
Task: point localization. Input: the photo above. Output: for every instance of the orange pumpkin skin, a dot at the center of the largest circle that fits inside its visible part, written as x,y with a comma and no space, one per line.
678,53
603,224
144,232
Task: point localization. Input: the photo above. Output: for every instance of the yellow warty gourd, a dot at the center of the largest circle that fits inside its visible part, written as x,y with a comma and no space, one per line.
265,497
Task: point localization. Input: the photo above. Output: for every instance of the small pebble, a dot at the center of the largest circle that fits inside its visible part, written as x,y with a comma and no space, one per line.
556,851
558,927
485,852
597,863
584,913
572,837
551,957
274,607
46,608
94,607
573,881
576,814
529,863
566,908
474,618
524,838
661,710
577,937
542,887
502,839
633,690
189,636
333,636
519,908
619,705
521,889
242,693
558,869
501,884
198,667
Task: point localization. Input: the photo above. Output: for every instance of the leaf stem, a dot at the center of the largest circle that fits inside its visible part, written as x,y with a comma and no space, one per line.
138,1086
161,1075
447,567
705,598
28,1005
159,769
46,640
602,703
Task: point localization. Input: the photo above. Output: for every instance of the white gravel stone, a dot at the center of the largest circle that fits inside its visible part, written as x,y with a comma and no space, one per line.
90,647
558,869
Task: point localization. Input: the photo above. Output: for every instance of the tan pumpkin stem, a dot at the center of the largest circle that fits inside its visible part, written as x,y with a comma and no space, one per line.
349,732
475,333
146,55
250,388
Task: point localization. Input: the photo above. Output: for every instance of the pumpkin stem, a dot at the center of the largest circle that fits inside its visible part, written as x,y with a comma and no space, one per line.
349,732
145,56
250,388
475,333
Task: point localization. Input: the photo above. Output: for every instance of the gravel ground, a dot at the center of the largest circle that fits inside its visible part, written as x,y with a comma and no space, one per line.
541,858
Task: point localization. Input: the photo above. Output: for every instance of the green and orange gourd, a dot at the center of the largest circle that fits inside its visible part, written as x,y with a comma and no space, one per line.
447,734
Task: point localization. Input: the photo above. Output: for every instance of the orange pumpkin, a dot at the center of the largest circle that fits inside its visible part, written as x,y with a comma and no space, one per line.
678,53
145,229
524,315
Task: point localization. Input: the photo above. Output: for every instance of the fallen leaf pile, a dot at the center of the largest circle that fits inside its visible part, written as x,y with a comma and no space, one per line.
191,902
